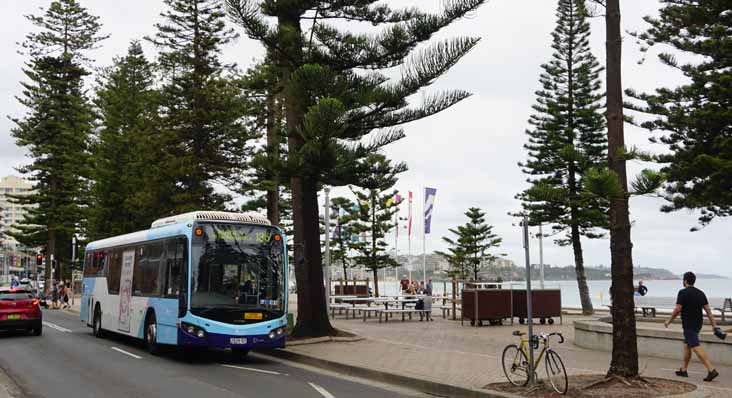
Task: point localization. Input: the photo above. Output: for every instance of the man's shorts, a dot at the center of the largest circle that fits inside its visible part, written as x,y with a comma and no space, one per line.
691,337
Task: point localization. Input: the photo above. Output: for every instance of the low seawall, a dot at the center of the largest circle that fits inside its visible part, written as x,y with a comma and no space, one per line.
598,335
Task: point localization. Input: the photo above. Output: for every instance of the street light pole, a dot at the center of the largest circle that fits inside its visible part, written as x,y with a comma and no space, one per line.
529,317
327,245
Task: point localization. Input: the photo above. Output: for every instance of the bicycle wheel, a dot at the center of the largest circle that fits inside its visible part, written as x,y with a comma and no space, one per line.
515,365
555,372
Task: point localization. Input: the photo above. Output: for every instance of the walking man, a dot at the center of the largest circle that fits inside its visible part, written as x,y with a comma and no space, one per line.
689,304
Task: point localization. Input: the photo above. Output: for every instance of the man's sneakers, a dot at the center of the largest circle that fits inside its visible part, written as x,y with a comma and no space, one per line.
682,373
711,375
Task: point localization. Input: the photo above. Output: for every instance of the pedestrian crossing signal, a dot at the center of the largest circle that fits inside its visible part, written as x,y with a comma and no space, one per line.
39,259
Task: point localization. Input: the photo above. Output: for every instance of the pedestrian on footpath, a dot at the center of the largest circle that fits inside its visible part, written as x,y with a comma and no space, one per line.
54,296
689,303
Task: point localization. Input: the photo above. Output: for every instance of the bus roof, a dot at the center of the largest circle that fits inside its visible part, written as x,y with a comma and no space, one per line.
211,216
175,225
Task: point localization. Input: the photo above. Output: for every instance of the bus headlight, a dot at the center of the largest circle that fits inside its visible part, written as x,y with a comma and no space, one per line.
280,331
276,333
272,335
193,330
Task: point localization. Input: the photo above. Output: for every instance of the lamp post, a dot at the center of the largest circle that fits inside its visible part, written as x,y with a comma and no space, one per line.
327,245
529,317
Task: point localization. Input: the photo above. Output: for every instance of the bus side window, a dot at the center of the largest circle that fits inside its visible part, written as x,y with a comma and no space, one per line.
88,264
114,271
174,263
138,274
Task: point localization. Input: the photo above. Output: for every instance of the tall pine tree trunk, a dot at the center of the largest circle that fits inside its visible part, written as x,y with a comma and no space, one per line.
312,312
376,281
625,350
273,152
579,267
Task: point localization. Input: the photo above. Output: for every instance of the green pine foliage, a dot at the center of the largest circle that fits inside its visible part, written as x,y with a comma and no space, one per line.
57,125
340,106
567,140
202,105
468,253
126,189
694,119
374,217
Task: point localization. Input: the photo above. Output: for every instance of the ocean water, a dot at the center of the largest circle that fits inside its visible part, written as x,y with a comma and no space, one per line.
661,293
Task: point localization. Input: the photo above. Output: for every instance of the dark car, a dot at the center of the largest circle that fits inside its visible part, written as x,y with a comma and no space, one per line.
20,310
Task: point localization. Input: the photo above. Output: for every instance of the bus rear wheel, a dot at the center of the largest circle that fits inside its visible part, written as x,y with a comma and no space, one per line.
97,323
151,334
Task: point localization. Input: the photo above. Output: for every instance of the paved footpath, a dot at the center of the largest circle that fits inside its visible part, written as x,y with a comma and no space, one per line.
444,351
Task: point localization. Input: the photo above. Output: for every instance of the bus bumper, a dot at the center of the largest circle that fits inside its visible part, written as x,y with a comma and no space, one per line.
215,340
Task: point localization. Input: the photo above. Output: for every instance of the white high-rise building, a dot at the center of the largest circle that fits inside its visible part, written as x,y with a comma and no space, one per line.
12,214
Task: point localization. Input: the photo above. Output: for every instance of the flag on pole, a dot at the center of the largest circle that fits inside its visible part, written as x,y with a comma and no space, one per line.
429,204
409,218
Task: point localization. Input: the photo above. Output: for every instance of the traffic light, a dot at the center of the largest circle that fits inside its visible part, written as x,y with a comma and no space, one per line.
39,259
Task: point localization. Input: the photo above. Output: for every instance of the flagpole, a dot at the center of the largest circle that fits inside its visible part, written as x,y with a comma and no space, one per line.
396,247
424,235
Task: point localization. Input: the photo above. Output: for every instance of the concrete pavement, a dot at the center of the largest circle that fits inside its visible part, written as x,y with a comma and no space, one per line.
470,357
68,361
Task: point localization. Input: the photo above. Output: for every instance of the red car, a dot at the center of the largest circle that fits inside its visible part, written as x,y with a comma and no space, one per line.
20,310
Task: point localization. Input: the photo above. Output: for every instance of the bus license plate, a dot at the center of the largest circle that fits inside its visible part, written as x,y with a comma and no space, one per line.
238,340
253,316
13,317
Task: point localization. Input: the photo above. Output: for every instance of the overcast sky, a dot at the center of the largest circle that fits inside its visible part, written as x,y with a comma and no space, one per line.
469,152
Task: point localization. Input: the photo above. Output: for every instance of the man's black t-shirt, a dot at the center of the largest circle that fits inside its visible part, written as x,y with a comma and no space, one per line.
692,302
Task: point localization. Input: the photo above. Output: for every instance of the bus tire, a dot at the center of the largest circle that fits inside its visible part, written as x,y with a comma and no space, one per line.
97,330
151,334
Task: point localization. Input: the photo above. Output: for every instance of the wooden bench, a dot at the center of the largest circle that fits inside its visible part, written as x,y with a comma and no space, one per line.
369,310
726,307
340,308
409,312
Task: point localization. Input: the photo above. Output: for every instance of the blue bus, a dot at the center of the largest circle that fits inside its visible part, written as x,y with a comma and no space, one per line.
201,279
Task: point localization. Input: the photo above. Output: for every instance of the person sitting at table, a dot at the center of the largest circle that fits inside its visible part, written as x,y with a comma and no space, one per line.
413,288
404,283
425,304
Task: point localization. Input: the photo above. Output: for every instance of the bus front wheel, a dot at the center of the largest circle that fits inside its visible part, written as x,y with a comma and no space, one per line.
151,334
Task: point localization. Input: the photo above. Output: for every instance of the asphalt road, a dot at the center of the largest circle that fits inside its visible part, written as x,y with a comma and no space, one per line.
67,361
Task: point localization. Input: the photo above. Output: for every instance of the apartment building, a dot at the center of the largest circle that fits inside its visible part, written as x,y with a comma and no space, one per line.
11,214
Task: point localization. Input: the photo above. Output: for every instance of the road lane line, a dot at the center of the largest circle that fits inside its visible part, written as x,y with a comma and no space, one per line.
126,353
321,390
57,327
254,370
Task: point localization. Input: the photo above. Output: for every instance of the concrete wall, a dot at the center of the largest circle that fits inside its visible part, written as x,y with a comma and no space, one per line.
597,335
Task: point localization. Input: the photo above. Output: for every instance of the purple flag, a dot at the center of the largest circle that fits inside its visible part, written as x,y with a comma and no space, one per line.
429,204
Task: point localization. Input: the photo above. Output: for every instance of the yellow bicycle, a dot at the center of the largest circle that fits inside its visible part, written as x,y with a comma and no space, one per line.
516,361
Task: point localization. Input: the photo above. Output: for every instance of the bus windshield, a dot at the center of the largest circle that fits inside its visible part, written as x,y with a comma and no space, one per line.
237,266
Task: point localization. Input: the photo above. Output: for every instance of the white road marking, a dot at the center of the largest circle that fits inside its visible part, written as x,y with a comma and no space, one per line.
57,327
253,370
126,353
321,390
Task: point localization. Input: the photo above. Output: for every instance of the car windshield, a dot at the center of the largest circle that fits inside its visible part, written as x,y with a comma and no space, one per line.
237,266
7,295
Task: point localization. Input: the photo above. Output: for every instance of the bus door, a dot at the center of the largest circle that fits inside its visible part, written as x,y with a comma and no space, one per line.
125,290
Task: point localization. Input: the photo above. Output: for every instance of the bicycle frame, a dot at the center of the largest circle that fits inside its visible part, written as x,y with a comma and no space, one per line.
524,347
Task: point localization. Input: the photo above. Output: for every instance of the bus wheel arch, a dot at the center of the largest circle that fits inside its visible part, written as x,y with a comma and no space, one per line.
150,333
